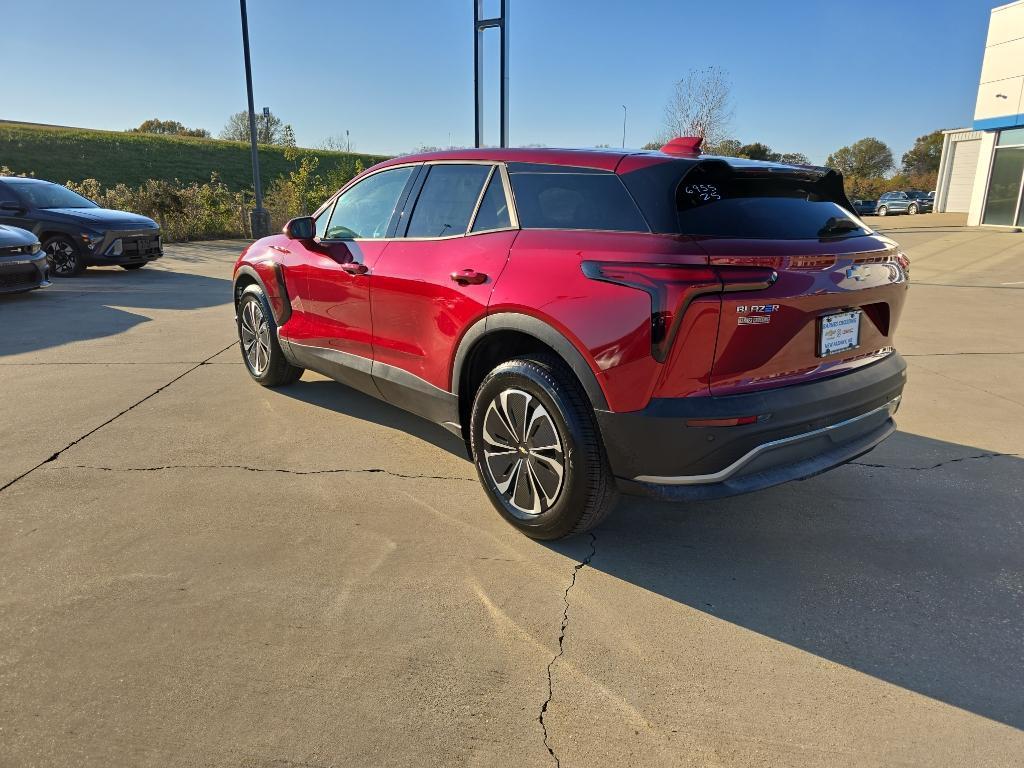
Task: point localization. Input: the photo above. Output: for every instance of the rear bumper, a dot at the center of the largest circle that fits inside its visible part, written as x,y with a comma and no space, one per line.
801,430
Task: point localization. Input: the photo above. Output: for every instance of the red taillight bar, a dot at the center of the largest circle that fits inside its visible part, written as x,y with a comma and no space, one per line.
672,288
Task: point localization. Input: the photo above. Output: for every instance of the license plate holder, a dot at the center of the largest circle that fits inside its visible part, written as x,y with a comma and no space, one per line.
838,332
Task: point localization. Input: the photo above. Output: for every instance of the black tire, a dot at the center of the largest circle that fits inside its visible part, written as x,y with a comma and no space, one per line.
882,211
557,411
64,256
133,266
912,209
261,351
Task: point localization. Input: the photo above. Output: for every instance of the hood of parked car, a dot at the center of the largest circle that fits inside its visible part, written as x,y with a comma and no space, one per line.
101,218
11,237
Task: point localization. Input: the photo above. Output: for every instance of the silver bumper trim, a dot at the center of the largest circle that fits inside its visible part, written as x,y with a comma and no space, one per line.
742,461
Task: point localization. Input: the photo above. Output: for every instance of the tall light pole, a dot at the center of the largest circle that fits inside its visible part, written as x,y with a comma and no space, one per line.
479,25
259,219
623,126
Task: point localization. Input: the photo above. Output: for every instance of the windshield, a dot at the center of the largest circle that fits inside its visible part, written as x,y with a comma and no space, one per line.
44,194
722,205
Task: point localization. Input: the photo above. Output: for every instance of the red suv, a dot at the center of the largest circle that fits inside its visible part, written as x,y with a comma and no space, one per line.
665,323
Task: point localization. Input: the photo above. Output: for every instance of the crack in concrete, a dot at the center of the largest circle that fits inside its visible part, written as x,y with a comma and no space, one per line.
115,417
561,647
940,464
247,468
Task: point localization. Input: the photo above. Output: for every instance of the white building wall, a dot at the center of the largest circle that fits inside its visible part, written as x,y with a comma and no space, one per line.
1001,90
988,147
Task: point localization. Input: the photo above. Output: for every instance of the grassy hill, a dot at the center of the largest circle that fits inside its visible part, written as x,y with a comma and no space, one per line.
73,154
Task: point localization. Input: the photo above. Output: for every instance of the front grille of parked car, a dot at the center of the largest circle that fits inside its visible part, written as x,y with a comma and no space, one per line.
17,250
140,247
20,276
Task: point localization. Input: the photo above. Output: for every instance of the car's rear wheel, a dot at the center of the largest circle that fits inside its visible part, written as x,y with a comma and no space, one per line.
883,211
538,451
912,209
257,334
64,256
133,266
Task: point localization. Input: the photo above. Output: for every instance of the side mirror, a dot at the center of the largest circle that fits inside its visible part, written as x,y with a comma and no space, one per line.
10,205
302,228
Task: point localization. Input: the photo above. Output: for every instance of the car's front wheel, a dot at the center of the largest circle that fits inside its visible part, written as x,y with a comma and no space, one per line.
912,209
64,256
883,211
538,451
257,334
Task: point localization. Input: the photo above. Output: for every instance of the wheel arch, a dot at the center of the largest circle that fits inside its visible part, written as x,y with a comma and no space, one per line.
497,338
280,302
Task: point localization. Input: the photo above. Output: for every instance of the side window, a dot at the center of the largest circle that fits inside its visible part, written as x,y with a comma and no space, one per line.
493,213
447,200
322,219
365,210
574,199
6,196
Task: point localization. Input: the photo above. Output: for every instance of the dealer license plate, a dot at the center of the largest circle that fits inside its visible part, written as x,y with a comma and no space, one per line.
838,333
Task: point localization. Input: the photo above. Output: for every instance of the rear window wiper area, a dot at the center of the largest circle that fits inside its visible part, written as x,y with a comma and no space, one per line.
837,226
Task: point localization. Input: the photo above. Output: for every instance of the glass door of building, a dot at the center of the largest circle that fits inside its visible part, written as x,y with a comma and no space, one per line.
1003,202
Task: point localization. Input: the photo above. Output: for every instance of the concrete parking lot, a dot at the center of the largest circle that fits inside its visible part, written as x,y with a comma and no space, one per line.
198,571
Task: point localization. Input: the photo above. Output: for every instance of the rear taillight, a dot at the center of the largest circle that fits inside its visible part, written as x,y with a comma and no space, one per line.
673,287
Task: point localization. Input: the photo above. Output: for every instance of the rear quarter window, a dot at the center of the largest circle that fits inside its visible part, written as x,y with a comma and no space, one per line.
556,197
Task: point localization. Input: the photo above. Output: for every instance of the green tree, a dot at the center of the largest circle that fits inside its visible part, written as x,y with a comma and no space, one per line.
866,159
757,151
794,158
269,128
169,128
923,158
724,148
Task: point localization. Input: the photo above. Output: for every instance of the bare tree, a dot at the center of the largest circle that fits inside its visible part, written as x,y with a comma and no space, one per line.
700,105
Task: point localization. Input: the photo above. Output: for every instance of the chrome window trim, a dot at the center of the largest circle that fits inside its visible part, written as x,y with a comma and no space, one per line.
736,466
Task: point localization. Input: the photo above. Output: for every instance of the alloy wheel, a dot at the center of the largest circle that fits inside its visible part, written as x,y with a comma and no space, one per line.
62,257
255,333
523,452
912,210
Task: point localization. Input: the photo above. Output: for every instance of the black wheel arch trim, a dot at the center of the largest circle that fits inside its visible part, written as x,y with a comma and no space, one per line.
531,326
286,303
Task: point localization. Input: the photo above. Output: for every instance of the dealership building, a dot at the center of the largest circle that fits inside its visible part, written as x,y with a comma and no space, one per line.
982,168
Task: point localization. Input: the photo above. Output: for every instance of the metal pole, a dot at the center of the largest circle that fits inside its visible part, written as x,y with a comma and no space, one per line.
479,25
477,75
623,126
260,219
503,29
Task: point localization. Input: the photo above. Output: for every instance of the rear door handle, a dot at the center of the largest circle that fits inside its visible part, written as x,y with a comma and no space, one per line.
355,268
468,277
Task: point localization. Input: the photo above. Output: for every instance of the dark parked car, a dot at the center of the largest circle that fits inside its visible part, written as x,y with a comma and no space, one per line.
74,231
663,323
864,207
22,261
911,201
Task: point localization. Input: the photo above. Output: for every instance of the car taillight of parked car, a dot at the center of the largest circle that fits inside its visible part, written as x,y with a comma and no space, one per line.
672,287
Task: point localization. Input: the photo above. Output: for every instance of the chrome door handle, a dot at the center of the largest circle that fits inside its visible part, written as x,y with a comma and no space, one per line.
355,268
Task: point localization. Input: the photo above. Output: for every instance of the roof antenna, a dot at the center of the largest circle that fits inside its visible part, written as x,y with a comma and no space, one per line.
683,145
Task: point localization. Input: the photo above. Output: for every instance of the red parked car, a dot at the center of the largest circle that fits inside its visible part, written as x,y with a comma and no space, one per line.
665,323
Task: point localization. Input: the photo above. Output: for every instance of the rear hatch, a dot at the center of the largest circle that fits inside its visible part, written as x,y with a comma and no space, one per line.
838,287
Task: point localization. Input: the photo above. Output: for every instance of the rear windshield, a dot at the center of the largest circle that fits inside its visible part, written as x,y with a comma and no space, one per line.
710,202
558,197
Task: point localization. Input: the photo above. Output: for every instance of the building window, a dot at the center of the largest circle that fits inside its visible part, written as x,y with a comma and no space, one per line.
1003,205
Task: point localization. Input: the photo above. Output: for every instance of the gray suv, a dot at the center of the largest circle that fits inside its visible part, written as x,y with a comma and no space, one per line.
911,202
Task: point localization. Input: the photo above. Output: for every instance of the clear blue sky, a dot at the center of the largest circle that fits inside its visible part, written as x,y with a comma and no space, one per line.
808,75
